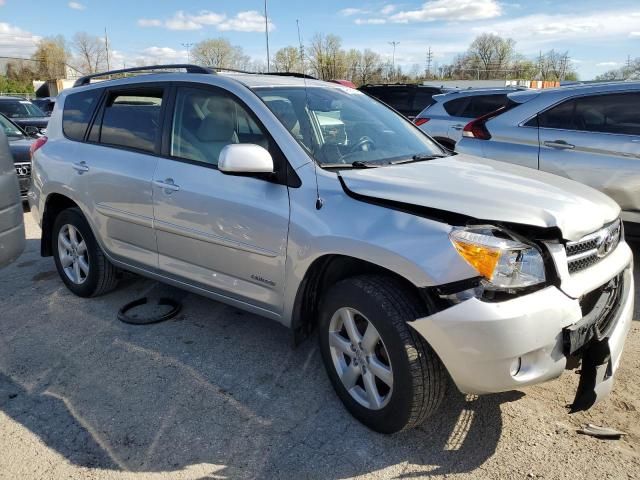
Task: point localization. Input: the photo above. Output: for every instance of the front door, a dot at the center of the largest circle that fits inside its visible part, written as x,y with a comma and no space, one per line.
224,233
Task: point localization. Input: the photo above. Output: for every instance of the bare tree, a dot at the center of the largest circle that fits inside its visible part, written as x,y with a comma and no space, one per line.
630,71
370,67
51,56
287,59
219,53
91,52
326,56
553,65
491,54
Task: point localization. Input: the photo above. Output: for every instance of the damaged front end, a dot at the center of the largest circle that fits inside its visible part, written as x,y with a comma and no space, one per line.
499,339
586,343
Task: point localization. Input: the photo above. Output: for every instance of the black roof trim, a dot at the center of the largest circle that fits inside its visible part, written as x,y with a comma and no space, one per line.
86,80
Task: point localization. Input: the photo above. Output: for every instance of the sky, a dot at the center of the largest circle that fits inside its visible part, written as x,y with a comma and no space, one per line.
598,35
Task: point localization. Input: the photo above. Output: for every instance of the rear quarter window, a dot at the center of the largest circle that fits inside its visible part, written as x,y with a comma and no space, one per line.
78,109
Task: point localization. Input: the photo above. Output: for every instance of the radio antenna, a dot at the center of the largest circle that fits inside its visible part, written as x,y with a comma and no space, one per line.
319,201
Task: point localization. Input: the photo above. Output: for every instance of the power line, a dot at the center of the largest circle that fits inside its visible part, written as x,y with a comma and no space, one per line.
394,44
106,46
266,32
188,47
429,60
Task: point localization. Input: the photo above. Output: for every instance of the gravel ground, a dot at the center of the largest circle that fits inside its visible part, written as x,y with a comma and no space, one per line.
217,393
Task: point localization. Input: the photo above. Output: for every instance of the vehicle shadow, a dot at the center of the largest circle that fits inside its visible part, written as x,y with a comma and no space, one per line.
213,392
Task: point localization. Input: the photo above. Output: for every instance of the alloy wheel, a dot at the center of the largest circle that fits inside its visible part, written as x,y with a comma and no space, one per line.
360,358
73,254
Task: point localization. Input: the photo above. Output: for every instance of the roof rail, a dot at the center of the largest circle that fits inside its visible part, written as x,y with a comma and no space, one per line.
86,80
278,74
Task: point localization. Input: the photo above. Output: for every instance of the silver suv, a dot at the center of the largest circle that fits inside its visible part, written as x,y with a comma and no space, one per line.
314,205
450,112
589,133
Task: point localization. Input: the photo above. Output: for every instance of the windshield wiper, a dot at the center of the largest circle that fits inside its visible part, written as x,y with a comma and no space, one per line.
356,164
420,158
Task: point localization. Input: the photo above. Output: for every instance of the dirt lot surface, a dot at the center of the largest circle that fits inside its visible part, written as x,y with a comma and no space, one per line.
217,393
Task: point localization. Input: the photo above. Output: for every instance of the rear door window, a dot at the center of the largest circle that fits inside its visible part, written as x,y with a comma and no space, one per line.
78,109
456,107
131,119
483,104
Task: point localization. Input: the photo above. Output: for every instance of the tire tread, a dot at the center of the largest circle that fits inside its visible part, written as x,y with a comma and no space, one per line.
427,371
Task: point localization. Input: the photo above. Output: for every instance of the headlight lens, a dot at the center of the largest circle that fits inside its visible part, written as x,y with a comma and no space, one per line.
502,261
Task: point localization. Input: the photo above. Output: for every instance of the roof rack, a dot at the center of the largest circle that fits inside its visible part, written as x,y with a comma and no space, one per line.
278,74
86,80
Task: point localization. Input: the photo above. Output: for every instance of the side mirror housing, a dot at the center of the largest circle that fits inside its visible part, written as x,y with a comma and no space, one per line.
31,130
245,158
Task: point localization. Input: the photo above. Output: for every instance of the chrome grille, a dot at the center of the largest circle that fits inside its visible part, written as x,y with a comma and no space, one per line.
592,248
23,169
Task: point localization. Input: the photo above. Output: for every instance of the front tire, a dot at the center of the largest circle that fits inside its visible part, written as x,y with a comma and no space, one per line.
386,375
81,264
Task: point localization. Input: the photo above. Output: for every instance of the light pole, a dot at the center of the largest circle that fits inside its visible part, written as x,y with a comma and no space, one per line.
188,47
266,33
393,57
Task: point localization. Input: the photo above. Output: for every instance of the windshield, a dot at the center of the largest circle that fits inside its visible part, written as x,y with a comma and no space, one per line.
9,129
341,126
20,109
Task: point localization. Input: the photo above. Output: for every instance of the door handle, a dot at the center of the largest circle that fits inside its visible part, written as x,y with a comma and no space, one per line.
167,185
458,127
80,167
559,144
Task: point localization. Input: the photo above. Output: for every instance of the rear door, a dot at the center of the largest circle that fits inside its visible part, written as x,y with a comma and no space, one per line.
114,168
596,140
224,233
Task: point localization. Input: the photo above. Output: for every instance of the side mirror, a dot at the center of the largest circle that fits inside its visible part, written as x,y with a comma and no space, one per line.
32,131
245,158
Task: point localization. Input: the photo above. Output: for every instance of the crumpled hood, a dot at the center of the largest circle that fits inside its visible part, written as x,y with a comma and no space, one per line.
489,190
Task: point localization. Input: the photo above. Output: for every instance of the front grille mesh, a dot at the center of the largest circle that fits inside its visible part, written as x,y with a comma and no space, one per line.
592,248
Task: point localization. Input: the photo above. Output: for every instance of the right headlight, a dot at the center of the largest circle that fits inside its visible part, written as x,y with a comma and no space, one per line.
504,262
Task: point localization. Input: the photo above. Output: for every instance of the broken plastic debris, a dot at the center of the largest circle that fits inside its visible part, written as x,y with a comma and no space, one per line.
600,432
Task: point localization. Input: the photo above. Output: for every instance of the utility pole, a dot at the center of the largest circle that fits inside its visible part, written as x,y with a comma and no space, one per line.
628,61
266,32
106,46
188,47
394,44
429,60
301,47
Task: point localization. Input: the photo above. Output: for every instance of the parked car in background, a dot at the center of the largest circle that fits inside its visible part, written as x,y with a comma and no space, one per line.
24,113
589,133
408,99
19,146
12,237
45,104
314,205
446,117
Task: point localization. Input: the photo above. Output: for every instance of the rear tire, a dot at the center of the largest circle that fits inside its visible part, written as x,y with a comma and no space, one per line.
418,378
81,264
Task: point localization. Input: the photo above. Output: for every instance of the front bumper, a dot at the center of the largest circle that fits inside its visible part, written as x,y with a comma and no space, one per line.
495,347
